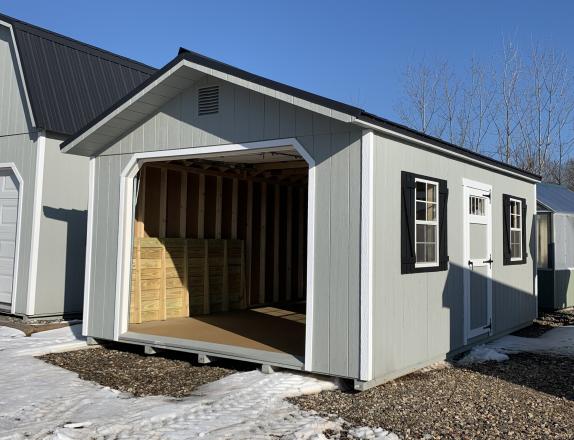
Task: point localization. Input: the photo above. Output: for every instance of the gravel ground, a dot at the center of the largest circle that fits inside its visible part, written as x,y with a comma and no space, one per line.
122,368
547,321
530,396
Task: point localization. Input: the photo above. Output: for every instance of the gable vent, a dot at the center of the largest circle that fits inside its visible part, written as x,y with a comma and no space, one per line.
208,100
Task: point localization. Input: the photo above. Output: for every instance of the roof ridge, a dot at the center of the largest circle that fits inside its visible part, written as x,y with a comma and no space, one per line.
78,45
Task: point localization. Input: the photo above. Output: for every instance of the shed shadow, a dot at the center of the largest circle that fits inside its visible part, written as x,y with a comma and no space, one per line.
76,224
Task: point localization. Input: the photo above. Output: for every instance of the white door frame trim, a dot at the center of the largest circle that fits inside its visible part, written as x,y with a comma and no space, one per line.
367,221
36,220
12,166
89,245
126,222
468,184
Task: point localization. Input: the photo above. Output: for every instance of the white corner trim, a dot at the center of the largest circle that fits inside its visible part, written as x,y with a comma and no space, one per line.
126,222
36,220
444,151
367,222
89,246
534,252
20,71
12,166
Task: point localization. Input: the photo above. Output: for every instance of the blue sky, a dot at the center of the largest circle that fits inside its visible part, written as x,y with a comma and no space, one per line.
351,51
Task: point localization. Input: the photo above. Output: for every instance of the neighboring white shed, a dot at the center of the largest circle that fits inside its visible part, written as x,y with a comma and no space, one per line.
555,220
50,86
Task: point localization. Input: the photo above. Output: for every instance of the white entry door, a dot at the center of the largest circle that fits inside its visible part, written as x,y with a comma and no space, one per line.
9,190
478,259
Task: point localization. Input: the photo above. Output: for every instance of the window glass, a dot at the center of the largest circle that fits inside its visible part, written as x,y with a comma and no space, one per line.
515,229
426,222
476,206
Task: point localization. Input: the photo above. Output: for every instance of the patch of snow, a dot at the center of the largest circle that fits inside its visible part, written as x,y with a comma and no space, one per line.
39,400
558,341
365,432
10,333
482,354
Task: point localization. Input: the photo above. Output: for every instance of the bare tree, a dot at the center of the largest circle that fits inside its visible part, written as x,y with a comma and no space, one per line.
521,112
421,103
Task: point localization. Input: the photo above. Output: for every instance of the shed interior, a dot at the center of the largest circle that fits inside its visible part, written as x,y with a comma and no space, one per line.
220,249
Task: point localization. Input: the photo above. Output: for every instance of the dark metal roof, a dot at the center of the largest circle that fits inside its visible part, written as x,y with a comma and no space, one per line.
555,197
360,114
69,83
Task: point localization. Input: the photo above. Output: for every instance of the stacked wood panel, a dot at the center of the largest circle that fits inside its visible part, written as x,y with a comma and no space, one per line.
177,277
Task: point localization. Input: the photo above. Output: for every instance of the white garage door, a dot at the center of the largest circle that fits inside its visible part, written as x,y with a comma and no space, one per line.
8,223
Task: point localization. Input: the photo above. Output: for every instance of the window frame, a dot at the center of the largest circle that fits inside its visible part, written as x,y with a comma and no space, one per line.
512,200
435,222
507,200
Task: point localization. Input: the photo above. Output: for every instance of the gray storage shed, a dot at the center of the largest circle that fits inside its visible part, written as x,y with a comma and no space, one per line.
50,86
232,215
555,219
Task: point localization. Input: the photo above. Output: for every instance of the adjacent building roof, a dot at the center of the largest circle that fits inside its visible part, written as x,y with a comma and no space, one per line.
555,198
70,83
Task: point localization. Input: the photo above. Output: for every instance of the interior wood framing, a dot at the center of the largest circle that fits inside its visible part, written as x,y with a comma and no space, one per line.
255,211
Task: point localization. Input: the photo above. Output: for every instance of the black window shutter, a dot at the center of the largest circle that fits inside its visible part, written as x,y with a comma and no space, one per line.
408,257
524,254
442,225
506,228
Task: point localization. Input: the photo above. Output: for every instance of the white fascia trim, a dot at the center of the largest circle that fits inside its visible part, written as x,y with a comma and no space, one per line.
367,236
443,150
20,71
126,222
14,169
89,246
36,221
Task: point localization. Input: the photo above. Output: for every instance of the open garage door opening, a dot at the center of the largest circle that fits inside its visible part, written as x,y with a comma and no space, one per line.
220,251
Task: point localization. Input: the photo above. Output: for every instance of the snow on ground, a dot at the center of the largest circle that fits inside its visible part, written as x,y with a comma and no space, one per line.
483,354
38,400
558,341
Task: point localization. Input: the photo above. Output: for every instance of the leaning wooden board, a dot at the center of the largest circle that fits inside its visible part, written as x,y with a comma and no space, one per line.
177,277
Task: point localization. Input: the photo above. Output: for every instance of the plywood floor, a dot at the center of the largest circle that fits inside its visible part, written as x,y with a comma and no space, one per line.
276,329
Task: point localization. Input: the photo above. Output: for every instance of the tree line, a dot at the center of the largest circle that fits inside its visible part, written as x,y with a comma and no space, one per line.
517,108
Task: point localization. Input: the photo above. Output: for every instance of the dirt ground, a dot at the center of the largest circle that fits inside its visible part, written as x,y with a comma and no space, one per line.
30,327
127,369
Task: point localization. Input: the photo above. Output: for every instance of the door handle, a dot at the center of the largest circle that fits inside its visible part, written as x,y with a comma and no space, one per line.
471,264
489,261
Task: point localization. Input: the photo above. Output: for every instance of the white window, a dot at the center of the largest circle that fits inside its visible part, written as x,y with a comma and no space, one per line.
515,230
426,223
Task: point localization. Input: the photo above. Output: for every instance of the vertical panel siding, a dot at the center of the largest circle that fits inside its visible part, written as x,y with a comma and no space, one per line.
62,250
419,317
19,147
21,150
13,112
247,116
